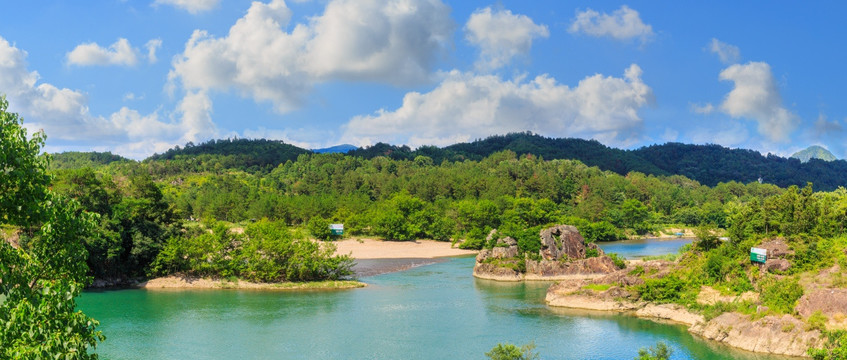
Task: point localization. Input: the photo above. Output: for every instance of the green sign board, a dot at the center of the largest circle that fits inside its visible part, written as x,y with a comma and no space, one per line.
758,255
336,229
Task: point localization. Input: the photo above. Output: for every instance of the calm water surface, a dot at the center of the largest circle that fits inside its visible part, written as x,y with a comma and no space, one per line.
436,311
635,249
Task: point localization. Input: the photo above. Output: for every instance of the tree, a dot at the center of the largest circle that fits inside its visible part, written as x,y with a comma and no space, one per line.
512,352
659,352
41,276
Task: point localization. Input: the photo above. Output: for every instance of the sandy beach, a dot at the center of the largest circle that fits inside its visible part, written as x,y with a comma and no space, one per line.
193,282
377,249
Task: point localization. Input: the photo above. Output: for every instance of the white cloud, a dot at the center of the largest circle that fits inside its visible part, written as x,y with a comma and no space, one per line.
706,108
64,114
373,40
729,54
466,106
623,24
394,41
192,6
756,96
119,53
152,46
501,36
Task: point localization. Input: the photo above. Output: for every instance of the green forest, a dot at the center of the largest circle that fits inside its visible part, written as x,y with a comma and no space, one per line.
248,209
155,214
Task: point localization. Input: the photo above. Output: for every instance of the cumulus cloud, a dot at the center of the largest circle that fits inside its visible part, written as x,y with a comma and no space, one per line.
623,24
729,54
467,105
64,114
501,36
373,40
192,6
152,46
89,54
394,41
756,96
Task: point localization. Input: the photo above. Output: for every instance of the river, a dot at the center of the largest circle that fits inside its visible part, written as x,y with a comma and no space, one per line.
434,311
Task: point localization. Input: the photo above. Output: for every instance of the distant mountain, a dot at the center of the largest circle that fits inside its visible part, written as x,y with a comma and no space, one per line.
814,152
344,148
708,164
239,153
78,160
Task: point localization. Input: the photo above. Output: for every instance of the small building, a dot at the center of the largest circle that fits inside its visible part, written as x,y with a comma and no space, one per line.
758,255
336,229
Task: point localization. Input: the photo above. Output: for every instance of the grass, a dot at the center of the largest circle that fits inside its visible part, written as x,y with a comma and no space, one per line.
310,285
597,287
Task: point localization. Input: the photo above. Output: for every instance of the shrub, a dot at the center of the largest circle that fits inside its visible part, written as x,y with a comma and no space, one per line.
816,321
512,352
664,290
619,261
659,352
834,349
319,228
781,295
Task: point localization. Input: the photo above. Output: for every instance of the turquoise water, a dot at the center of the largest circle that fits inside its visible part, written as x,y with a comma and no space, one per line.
437,311
635,249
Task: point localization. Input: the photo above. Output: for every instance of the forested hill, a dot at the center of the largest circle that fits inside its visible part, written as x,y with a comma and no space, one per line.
78,160
708,164
590,152
236,153
711,164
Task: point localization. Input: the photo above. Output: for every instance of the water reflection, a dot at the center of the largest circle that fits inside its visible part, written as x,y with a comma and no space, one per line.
427,312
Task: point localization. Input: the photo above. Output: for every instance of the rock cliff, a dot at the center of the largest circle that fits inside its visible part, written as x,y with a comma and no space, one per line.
562,256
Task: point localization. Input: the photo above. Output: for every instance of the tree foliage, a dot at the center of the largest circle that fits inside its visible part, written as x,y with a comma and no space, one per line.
513,352
41,276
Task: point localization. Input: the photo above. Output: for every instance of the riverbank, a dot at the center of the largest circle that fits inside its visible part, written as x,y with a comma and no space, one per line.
193,282
770,334
378,249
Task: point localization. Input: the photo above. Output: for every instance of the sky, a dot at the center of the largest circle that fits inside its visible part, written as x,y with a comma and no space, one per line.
138,77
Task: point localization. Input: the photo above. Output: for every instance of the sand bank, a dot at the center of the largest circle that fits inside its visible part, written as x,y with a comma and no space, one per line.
377,249
191,282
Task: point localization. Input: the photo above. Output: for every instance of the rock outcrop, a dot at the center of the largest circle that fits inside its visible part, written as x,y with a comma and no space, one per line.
562,256
830,302
780,335
778,250
559,270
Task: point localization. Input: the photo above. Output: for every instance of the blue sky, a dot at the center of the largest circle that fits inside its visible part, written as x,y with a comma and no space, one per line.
138,77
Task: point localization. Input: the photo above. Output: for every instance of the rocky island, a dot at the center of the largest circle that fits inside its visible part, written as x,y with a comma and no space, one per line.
563,254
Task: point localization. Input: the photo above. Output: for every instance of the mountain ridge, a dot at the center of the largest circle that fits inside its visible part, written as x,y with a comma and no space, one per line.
708,164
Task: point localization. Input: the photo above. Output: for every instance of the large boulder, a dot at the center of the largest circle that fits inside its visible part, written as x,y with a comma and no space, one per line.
830,302
562,241
777,248
556,270
777,265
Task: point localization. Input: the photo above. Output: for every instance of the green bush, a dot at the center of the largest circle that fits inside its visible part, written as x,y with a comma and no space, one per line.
659,352
816,321
512,352
619,261
834,349
319,228
781,295
665,290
